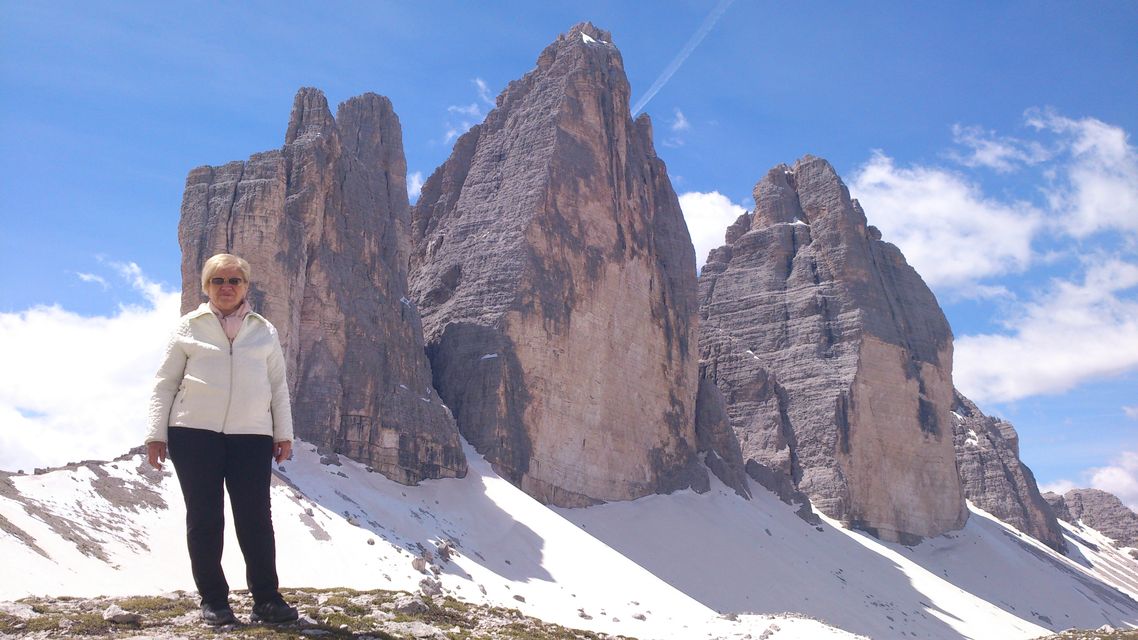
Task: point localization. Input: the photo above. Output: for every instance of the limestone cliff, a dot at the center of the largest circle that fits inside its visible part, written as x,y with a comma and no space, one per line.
1101,510
834,358
324,223
556,279
987,454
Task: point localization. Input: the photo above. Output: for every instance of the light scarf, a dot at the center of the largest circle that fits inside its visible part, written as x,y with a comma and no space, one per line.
231,323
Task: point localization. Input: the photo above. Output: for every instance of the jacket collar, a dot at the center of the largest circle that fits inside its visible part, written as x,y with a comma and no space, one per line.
203,309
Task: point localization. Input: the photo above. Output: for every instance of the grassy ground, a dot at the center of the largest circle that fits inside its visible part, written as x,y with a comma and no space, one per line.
331,614
325,613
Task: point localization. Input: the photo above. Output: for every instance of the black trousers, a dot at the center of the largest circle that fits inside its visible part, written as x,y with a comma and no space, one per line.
205,461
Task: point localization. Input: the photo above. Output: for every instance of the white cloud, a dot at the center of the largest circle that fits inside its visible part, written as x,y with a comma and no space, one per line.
677,128
1072,333
94,278
967,243
76,387
414,185
708,215
484,91
1096,186
948,229
471,110
680,123
1131,412
956,236
462,117
1059,486
1001,153
1120,478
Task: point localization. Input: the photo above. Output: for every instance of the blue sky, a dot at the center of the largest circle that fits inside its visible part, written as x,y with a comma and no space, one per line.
993,142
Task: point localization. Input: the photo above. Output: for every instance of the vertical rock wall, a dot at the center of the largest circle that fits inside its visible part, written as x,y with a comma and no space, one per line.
987,453
324,223
556,279
834,358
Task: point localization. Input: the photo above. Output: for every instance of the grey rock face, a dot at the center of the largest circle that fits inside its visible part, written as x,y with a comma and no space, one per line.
834,358
716,440
556,280
987,454
1103,511
1058,506
324,223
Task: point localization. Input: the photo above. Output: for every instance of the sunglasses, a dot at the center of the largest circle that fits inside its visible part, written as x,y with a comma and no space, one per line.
231,281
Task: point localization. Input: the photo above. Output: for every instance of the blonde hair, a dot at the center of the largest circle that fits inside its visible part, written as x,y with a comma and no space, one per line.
222,261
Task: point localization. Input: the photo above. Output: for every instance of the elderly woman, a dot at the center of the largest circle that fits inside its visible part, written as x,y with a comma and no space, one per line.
221,407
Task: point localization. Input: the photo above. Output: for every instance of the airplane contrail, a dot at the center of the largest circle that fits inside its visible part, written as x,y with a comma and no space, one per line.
674,66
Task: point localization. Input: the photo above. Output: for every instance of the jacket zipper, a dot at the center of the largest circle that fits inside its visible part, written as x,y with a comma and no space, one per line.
229,395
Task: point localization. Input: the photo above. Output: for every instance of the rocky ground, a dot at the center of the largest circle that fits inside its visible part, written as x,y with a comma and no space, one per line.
1105,632
325,613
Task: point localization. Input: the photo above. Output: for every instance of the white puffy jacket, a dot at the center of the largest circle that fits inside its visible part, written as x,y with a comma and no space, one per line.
207,383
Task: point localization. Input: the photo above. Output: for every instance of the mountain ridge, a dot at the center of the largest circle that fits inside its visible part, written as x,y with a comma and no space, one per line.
554,276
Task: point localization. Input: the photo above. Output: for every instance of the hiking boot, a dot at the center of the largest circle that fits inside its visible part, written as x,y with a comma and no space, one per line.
217,615
274,612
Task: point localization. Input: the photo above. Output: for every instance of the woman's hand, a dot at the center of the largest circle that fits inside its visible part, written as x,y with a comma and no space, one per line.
156,453
282,451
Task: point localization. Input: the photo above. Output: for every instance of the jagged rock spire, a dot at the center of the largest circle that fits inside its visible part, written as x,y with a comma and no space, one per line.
834,358
324,223
557,284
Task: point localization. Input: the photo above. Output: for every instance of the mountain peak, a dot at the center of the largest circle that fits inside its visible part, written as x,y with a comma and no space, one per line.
556,279
310,116
583,45
589,30
835,358
1099,509
324,222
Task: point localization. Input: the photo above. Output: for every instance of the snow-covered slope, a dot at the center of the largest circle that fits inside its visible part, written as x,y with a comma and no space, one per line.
1102,557
117,528
659,567
985,581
